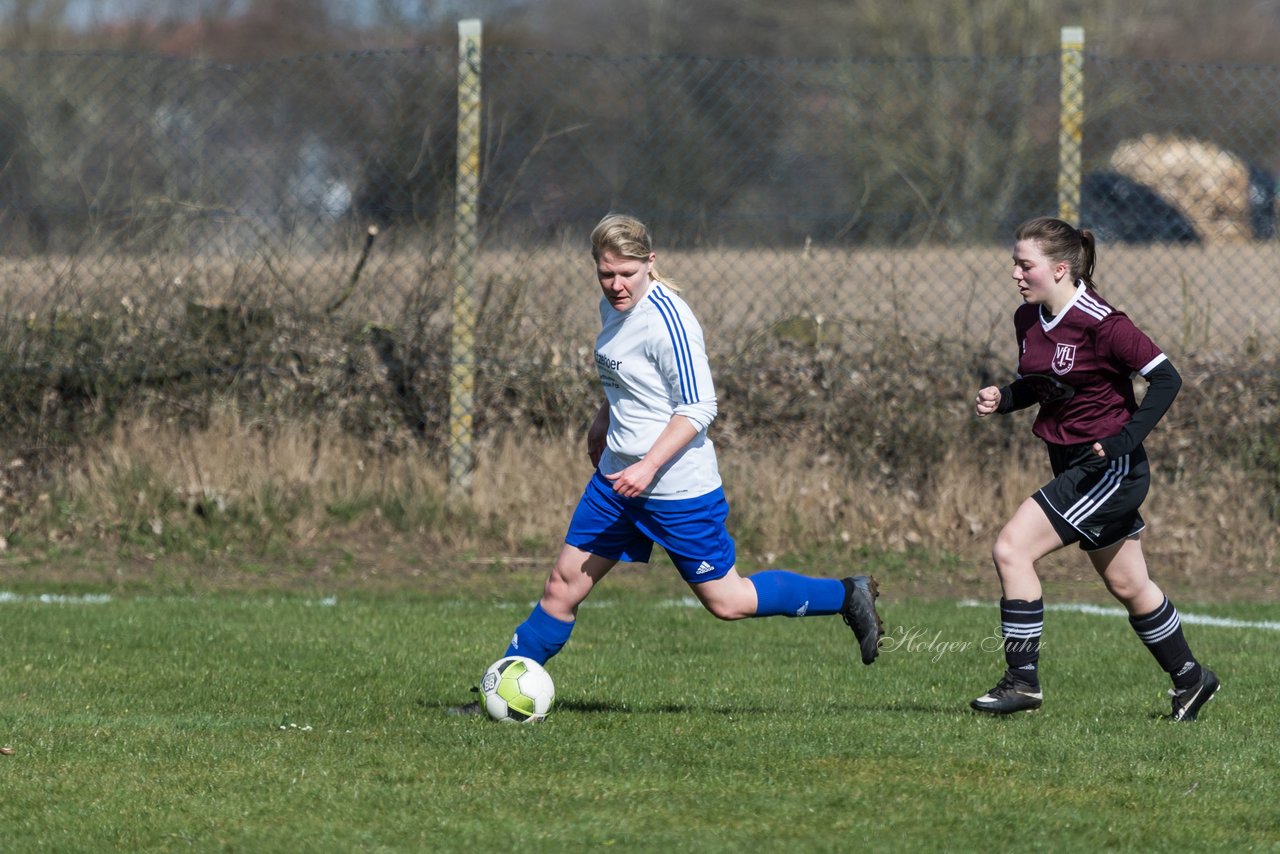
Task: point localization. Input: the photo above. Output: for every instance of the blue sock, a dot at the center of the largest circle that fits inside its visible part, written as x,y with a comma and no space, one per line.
540,636
781,592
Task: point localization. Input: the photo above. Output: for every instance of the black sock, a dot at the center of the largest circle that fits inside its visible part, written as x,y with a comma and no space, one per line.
1161,631
1021,623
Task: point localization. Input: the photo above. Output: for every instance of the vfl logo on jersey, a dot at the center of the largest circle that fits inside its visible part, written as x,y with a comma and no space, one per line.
1064,358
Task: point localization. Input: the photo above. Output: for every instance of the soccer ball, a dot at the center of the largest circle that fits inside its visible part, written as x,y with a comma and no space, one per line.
516,689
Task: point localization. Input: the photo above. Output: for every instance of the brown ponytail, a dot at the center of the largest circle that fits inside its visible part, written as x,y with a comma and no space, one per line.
1061,241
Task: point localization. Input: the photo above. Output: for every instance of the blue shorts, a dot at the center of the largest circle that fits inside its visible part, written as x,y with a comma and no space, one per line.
690,530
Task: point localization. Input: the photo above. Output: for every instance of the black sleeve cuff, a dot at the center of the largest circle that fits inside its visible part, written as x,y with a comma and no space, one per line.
1005,405
1016,395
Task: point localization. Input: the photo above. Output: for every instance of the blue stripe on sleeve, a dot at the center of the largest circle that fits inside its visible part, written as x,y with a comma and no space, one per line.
680,341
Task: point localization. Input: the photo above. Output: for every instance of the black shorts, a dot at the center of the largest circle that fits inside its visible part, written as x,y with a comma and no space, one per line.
1093,500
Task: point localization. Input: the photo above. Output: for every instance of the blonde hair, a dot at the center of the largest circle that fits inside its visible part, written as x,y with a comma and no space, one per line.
627,237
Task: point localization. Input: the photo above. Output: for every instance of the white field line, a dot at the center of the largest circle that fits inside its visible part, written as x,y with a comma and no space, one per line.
691,602
55,598
8,598
1191,619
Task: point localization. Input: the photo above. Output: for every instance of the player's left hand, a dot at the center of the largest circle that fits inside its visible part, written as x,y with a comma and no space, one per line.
632,480
1098,450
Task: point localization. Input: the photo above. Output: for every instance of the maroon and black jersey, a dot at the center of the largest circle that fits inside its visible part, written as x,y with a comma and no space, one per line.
1094,348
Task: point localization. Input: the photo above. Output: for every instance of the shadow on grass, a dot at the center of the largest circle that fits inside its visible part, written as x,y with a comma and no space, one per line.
585,706
596,706
604,707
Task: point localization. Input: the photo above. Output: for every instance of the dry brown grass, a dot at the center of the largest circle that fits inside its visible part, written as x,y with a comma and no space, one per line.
230,465
1190,299
847,434
1209,539
1211,298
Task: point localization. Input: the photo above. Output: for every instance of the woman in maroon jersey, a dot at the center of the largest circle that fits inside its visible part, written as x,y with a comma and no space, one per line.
1077,357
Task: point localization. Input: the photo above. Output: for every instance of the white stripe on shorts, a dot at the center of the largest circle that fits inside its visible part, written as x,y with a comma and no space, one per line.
1117,469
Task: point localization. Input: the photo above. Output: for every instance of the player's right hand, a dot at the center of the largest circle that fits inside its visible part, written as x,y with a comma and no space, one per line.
987,401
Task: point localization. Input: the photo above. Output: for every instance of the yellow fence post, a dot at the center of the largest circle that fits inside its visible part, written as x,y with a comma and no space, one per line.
1071,124
462,371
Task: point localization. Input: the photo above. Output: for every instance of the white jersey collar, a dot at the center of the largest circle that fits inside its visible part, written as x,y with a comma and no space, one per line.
1048,323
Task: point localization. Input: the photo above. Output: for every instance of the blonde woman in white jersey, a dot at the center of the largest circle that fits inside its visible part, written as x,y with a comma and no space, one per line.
656,479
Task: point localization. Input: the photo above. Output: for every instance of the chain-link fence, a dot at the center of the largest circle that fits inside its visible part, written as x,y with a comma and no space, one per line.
814,201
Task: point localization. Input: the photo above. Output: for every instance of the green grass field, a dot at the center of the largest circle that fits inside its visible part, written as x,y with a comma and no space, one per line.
259,723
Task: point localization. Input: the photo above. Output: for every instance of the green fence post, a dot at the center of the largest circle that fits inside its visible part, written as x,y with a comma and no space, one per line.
1071,124
462,339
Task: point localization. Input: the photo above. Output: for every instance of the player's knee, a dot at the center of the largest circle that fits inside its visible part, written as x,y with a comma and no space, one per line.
728,611
560,594
1126,589
1006,554
729,598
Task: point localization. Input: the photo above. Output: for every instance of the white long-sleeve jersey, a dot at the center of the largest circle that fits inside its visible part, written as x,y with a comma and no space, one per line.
652,362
